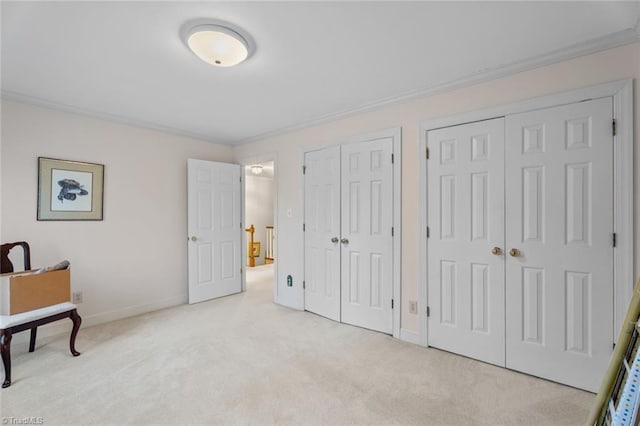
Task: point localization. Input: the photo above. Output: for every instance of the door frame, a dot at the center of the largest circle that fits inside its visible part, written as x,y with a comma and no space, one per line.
395,133
244,162
624,269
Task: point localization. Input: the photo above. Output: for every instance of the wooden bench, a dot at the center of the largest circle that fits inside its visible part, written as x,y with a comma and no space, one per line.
30,320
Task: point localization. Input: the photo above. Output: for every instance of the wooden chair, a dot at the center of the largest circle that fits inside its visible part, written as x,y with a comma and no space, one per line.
5,262
11,324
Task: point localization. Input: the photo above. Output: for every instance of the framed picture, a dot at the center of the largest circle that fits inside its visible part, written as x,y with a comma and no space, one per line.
255,250
69,190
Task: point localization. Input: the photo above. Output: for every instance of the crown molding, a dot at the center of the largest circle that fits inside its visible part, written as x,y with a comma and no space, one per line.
617,39
610,41
114,118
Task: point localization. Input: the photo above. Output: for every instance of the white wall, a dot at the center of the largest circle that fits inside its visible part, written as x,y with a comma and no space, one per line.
610,65
259,208
133,261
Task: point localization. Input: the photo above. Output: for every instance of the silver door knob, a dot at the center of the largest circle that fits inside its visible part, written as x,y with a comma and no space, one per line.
344,241
514,252
335,240
193,238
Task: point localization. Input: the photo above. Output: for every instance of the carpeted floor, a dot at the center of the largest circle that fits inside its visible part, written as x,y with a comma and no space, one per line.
244,360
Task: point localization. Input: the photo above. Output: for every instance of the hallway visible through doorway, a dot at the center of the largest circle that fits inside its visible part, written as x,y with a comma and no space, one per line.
259,222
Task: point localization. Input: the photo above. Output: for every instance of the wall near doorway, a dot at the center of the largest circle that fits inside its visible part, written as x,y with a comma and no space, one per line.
259,196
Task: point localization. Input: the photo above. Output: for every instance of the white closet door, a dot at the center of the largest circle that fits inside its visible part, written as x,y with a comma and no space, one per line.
559,207
322,232
466,222
367,242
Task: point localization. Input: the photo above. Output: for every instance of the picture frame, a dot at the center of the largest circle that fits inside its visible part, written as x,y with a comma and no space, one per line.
70,190
255,249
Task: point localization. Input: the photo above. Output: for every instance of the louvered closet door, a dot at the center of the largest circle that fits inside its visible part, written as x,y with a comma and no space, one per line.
322,232
367,242
559,208
466,221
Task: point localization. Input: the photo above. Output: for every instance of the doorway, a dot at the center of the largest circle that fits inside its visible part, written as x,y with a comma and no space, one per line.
259,225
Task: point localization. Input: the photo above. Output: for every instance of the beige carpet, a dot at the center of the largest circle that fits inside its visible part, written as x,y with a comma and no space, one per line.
244,360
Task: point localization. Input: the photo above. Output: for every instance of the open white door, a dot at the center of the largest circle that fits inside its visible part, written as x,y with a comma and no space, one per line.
214,230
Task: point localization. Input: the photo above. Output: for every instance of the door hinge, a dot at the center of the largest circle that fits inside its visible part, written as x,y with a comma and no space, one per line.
240,271
391,158
392,231
615,239
391,303
304,285
304,227
304,170
427,232
613,346
613,126
427,154
240,178
428,312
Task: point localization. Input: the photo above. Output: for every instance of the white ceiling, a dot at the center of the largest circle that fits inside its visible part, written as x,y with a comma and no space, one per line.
314,60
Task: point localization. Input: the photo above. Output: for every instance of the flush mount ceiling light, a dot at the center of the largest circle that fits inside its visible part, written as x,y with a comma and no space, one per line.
256,169
217,43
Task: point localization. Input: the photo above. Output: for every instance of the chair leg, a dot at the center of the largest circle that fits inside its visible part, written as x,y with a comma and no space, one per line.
32,340
74,332
5,351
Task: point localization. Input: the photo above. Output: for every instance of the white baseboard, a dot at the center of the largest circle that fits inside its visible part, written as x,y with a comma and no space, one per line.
409,336
64,327
132,311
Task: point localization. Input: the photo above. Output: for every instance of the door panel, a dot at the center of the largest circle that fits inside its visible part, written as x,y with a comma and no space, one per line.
367,247
322,224
213,216
466,220
559,290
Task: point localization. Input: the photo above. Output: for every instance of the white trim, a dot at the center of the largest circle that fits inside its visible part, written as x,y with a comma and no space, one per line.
422,239
243,226
409,336
395,133
623,198
609,41
113,118
622,93
60,327
397,226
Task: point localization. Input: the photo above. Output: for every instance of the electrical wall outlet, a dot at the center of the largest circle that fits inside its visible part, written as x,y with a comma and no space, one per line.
413,307
76,297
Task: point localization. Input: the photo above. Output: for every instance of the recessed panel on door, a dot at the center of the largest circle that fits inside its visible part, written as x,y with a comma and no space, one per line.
322,232
559,209
466,221
214,232
367,240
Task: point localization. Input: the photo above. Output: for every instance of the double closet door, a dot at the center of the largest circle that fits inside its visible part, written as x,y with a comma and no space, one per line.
348,241
520,254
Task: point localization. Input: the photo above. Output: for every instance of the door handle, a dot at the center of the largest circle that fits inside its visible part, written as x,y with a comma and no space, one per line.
344,241
514,252
194,238
335,240
497,251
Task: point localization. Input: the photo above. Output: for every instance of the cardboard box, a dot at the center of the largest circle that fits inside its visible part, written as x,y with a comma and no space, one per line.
22,292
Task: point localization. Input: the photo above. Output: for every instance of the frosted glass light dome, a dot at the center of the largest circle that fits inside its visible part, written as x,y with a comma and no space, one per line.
217,45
